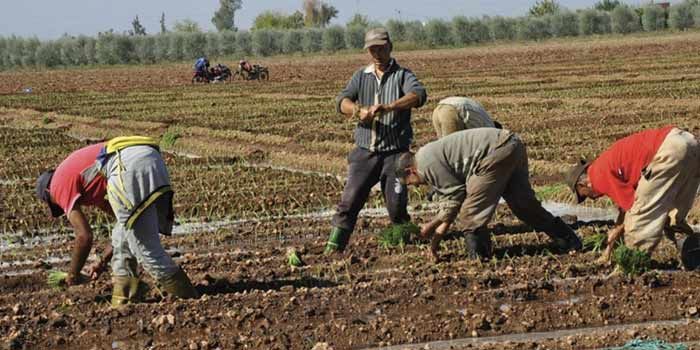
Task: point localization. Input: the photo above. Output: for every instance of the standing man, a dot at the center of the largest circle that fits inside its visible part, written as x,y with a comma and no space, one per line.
127,177
460,113
379,98
652,177
470,171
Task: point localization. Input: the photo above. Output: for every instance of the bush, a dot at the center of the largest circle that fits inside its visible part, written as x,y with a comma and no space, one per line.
680,16
227,44
334,38
653,18
563,24
313,40
263,42
90,50
244,43
48,54
144,46
397,30
355,37
503,28
467,31
438,33
592,21
70,51
176,48
3,53
623,20
415,32
194,45
29,51
291,42
695,12
533,28
162,47
213,45
106,48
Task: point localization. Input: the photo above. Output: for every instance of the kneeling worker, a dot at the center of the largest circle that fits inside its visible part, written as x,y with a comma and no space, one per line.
653,178
125,176
471,170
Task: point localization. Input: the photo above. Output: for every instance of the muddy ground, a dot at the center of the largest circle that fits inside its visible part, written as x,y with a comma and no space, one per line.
367,297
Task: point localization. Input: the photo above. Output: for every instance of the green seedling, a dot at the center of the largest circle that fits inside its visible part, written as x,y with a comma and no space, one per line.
596,242
632,262
169,138
293,258
57,279
398,235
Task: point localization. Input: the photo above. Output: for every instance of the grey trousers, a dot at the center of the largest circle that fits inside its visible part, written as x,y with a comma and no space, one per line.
133,175
503,173
366,169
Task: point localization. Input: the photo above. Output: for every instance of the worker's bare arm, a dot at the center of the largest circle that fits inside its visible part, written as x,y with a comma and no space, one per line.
614,234
81,246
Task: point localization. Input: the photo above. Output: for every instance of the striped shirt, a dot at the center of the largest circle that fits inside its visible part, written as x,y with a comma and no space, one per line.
448,163
390,131
470,111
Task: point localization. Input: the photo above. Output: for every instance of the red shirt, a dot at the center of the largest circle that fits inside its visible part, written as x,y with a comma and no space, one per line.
67,187
617,171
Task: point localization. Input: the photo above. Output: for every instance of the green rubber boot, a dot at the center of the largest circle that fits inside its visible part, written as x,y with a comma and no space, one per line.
126,290
179,285
338,240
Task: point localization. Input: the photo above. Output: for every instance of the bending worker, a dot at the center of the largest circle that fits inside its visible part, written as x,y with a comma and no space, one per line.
470,171
652,177
460,113
379,98
131,174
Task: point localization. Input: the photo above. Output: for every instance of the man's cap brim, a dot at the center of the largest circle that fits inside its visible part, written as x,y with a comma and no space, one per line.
375,42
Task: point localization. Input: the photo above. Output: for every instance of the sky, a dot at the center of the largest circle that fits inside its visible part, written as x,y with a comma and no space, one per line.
49,19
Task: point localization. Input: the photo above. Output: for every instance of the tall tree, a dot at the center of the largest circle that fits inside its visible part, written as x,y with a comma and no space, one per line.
138,29
544,7
224,17
163,29
318,13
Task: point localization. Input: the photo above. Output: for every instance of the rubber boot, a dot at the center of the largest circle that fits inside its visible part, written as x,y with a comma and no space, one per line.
179,285
127,290
564,237
478,244
338,240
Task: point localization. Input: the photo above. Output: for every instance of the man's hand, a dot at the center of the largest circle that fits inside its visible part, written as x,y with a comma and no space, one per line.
95,270
427,230
365,115
613,235
378,110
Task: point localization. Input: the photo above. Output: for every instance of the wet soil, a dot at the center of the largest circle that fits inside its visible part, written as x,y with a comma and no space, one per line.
366,297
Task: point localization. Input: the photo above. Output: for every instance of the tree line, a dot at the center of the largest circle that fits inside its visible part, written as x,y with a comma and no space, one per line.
311,34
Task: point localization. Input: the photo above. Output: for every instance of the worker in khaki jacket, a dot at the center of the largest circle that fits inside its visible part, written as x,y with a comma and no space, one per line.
127,177
653,177
470,170
457,113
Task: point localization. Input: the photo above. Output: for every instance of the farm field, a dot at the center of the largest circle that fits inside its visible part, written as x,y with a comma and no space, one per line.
257,168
